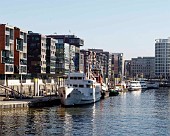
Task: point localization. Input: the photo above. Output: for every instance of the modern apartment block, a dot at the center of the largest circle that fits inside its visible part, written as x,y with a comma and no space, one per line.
36,53
13,50
118,65
50,55
103,59
89,60
108,65
20,51
162,58
143,67
67,53
6,49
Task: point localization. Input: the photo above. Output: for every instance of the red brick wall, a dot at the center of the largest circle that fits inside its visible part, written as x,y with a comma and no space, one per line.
2,46
16,53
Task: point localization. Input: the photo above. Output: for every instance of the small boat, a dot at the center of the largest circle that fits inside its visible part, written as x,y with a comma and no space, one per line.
113,92
137,85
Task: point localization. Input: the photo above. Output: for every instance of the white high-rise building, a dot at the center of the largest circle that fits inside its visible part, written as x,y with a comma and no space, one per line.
162,58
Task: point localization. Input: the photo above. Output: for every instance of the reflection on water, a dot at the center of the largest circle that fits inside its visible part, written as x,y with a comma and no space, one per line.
131,113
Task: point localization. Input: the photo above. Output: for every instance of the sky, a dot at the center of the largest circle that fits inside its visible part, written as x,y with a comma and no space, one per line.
118,26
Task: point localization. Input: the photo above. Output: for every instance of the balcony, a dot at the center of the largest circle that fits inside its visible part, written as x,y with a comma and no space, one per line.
7,53
19,46
9,68
7,33
23,62
7,60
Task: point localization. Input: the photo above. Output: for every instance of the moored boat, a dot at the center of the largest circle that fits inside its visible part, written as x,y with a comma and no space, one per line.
137,85
113,92
79,90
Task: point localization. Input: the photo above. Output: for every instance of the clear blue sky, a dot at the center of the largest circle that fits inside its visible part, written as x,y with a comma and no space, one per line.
118,26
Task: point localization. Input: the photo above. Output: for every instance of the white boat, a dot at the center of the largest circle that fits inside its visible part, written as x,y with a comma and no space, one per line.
137,85
79,90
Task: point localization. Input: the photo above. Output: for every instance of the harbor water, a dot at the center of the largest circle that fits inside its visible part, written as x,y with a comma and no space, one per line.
137,113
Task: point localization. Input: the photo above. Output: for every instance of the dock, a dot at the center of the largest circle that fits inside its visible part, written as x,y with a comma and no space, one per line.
30,103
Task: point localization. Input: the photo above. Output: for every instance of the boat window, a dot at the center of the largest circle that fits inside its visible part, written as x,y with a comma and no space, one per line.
88,86
79,78
74,85
75,78
81,86
71,78
91,93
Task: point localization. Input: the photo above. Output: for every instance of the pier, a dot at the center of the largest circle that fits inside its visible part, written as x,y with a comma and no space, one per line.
30,103
31,93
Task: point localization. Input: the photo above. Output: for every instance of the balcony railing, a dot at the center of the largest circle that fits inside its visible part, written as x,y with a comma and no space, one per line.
23,62
7,60
7,53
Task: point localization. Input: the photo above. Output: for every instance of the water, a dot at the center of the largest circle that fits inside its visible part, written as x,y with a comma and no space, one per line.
145,113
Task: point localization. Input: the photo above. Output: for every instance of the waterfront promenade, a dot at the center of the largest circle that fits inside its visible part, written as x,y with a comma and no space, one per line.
33,102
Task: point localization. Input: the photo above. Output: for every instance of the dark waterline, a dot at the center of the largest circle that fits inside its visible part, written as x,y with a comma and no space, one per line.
144,113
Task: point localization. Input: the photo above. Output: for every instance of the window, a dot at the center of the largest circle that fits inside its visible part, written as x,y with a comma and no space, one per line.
75,85
81,86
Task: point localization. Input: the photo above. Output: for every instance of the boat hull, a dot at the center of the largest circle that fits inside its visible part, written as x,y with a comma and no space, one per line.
113,92
73,96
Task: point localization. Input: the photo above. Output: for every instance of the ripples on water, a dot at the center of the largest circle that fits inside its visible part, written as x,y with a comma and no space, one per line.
145,113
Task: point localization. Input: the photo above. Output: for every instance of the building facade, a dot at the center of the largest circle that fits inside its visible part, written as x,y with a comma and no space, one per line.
103,60
6,49
162,58
118,66
50,55
67,53
143,67
20,51
36,53
13,51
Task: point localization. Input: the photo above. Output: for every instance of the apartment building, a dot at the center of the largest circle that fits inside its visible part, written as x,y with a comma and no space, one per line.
36,53
67,53
118,65
103,60
6,49
20,51
50,55
13,51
